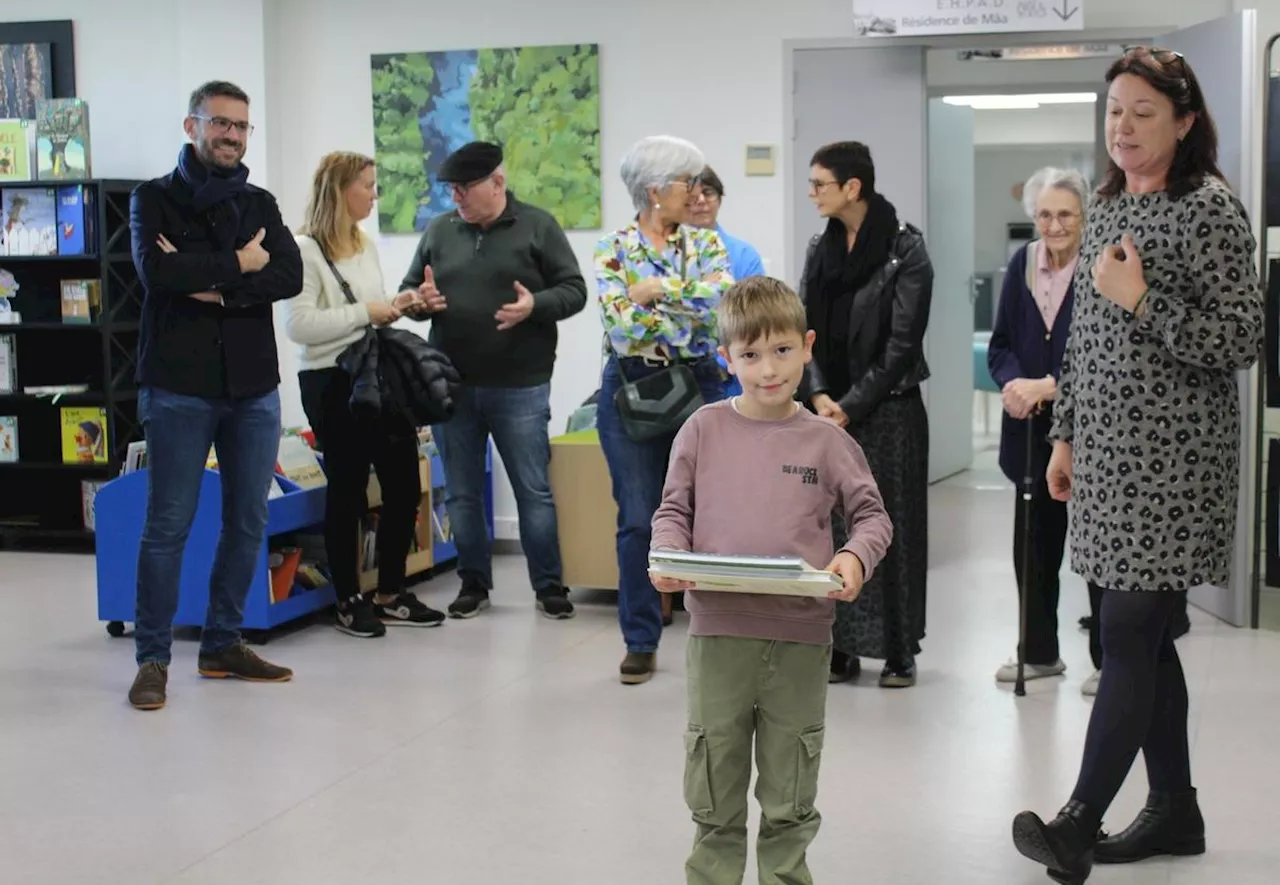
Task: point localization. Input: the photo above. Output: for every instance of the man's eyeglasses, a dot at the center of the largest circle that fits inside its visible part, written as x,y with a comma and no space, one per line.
462,189
224,125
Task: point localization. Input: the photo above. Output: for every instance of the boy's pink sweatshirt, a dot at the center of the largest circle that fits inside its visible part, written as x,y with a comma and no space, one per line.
736,485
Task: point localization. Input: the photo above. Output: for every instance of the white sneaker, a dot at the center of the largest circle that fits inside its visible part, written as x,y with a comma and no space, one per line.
1090,687
1009,672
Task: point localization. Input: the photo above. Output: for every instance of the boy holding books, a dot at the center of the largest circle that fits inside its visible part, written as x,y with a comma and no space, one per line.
759,475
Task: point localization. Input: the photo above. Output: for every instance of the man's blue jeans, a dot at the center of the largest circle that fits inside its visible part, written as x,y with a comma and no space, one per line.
638,472
179,431
517,418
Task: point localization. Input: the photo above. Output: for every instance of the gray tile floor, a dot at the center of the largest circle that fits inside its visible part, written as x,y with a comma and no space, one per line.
504,749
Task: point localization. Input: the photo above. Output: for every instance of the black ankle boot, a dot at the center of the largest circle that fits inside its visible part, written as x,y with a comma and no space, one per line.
1170,824
1064,845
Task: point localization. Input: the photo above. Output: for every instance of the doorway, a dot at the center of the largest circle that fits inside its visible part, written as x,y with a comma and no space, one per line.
1015,133
929,89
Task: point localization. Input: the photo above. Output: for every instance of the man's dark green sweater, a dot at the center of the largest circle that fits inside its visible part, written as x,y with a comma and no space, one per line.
476,270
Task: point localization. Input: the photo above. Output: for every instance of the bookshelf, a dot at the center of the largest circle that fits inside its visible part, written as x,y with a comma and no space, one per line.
45,500
122,510
295,520
434,537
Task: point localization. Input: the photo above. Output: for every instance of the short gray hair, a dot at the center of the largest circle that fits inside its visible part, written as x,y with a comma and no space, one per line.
1049,178
657,161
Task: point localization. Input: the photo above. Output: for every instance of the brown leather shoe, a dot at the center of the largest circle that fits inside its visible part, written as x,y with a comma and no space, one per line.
148,689
637,667
239,662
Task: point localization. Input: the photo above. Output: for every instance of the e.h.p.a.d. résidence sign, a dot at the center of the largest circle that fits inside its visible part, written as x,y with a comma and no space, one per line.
905,18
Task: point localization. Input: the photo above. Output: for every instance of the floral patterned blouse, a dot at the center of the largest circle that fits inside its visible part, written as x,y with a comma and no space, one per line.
694,265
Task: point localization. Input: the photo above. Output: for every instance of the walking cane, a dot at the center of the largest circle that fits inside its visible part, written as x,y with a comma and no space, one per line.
1020,687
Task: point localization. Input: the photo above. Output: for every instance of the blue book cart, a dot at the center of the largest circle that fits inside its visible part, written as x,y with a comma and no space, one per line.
120,512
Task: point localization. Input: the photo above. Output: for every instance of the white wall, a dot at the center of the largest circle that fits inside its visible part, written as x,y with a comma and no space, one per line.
706,71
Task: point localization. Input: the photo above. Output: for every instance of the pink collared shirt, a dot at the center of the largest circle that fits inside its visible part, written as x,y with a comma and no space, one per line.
1052,284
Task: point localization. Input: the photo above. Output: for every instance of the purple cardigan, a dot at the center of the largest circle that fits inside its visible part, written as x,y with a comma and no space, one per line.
1020,348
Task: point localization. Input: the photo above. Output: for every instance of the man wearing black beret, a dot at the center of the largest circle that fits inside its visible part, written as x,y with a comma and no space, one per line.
494,277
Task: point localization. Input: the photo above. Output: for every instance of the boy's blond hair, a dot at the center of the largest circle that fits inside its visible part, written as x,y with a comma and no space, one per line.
759,306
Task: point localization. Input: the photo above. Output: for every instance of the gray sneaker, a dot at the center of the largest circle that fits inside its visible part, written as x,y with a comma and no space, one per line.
1009,672
148,690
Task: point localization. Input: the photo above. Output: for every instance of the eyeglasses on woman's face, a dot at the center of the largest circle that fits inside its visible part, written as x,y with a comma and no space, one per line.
1064,219
819,185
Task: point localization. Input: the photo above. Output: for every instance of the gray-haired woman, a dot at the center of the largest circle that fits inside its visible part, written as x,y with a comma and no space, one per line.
660,282
1025,360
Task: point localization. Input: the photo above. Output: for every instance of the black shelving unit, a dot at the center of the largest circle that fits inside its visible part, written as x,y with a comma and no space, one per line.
42,502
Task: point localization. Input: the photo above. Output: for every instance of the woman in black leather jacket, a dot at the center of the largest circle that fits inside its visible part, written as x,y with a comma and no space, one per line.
867,283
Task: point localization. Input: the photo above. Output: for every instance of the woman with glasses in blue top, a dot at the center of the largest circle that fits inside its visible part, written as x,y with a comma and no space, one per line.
660,281
705,203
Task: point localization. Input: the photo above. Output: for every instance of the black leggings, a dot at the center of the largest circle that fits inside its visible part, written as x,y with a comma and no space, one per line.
390,445
1141,702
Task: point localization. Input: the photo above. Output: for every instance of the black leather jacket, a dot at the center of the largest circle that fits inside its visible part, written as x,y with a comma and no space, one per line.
887,323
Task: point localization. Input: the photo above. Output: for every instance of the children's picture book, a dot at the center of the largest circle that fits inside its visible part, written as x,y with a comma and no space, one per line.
136,457
84,435
75,220
8,364
62,139
8,438
88,502
17,143
297,461
30,219
776,576
80,300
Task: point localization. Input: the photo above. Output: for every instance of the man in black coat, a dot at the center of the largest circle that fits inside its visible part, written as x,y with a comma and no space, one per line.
212,254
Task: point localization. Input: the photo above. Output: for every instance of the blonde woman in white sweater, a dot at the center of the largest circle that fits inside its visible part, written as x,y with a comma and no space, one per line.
324,321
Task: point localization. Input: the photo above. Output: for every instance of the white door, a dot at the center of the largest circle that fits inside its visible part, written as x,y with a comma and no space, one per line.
950,238
877,96
1224,53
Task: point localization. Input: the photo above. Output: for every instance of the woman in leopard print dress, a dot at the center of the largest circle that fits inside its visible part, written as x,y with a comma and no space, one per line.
1146,438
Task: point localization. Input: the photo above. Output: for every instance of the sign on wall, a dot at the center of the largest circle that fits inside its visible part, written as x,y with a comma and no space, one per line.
907,18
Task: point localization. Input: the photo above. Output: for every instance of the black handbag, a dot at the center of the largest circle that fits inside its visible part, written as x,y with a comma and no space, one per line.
658,405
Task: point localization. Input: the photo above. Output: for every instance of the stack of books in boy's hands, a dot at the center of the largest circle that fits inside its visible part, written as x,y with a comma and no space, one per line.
776,575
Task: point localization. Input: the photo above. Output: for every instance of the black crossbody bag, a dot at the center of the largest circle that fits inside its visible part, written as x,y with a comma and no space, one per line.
351,298
659,404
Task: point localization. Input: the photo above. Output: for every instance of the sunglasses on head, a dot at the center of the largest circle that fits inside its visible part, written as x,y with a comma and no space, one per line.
1156,54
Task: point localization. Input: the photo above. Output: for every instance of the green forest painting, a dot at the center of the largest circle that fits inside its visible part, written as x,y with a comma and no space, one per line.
540,103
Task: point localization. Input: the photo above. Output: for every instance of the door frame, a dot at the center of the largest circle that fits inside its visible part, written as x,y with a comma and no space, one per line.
1257,568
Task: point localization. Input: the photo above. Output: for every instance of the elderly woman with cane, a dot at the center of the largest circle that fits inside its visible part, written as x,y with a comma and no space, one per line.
1025,359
